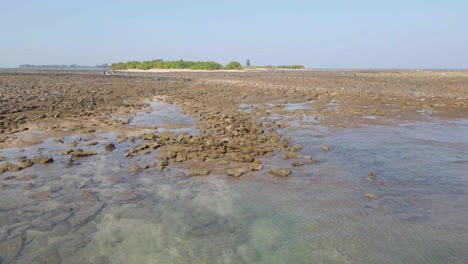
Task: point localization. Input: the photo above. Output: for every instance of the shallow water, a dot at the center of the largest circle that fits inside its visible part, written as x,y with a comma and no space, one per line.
320,214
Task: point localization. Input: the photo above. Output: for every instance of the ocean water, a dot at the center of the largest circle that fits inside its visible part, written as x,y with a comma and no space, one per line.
319,214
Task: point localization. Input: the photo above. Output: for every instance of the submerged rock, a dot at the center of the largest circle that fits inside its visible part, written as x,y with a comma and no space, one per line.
109,146
26,177
43,195
27,186
10,249
325,148
371,195
235,172
280,172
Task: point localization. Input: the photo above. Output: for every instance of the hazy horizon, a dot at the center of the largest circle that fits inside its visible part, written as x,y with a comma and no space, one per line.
333,35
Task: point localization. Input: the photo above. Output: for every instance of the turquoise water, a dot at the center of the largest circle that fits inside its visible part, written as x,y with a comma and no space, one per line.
320,214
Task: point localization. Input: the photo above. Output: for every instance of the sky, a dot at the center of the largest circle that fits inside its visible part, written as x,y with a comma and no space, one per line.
318,34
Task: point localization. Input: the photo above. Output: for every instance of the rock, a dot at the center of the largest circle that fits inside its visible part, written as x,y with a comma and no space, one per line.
280,172
7,178
308,157
198,172
135,167
372,173
235,172
27,186
296,148
290,155
125,197
42,160
121,138
79,153
109,146
43,195
371,195
26,177
325,148
26,164
255,166
243,158
9,167
10,249
2,158
91,143
297,164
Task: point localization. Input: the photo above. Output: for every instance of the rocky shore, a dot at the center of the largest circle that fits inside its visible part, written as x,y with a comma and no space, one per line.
238,114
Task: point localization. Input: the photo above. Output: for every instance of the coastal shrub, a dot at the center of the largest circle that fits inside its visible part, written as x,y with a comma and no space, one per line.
233,65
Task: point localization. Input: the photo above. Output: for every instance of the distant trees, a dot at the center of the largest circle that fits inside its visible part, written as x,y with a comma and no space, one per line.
233,65
179,64
248,63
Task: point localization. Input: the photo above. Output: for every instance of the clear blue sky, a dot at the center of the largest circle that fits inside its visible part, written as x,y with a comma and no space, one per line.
317,34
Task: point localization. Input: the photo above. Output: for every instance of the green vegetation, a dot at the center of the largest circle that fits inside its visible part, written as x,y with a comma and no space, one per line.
192,65
233,65
180,64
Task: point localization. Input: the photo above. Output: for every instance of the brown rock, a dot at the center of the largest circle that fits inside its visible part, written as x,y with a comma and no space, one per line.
296,148
290,155
42,160
135,167
255,166
325,148
235,172
280,172
371,195
198,172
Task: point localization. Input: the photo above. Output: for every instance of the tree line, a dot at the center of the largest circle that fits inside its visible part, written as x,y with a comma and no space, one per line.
177,64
